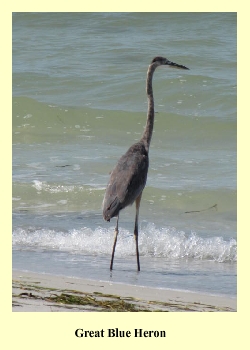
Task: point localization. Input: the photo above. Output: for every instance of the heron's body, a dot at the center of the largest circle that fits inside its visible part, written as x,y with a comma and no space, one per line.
128,178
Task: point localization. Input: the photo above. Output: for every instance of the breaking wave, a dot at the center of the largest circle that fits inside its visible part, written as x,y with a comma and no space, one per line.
165,242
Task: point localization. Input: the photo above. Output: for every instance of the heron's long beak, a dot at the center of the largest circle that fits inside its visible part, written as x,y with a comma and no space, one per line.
175,65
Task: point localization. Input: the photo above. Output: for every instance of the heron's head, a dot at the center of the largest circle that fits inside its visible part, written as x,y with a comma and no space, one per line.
159,61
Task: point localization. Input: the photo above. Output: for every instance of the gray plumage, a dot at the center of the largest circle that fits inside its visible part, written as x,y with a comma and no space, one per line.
128,178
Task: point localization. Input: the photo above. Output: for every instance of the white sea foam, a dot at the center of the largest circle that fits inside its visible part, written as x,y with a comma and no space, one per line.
164,242
43,186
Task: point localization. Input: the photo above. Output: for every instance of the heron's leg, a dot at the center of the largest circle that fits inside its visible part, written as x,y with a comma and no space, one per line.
137,204
113,252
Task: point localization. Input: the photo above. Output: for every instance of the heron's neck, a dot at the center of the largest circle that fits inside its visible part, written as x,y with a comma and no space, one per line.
147,134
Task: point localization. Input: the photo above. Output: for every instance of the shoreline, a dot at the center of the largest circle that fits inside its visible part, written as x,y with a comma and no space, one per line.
36,292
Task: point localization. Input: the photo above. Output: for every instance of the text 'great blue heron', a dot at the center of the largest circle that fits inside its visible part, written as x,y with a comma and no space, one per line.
128,178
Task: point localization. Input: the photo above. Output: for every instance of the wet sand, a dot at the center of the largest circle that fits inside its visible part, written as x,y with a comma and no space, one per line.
33,292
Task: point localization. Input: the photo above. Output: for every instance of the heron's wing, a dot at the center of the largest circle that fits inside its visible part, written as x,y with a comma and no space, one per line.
127,181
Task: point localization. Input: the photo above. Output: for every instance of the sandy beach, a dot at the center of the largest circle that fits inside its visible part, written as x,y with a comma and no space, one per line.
48,293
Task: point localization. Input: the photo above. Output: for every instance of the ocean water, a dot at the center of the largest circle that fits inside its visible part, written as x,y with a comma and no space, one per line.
79,102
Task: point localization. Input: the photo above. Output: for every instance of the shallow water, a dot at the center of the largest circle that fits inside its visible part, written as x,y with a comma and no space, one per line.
79,102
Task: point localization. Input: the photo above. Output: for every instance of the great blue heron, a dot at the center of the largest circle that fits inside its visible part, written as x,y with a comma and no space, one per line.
128,178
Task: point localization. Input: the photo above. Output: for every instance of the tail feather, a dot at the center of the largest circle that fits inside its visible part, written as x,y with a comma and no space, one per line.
111,209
